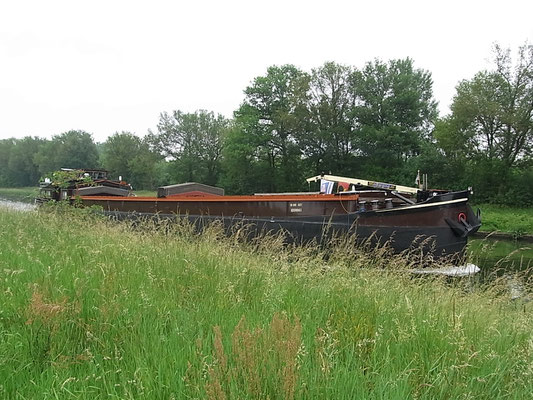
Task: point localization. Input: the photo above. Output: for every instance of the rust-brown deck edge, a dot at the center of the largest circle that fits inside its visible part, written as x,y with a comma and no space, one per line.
218,199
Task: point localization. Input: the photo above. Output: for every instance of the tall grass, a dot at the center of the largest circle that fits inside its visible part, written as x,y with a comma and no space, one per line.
92,309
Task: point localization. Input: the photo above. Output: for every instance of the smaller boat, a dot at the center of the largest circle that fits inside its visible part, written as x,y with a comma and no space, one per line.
68,183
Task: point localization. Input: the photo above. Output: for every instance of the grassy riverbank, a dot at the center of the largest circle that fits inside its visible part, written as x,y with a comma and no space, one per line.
516,221
24,194
96,310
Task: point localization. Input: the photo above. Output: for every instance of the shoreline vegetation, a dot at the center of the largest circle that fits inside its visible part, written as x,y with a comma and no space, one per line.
23,194
516,222
513,222
94,309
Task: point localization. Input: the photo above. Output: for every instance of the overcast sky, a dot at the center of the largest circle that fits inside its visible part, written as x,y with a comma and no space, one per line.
108,66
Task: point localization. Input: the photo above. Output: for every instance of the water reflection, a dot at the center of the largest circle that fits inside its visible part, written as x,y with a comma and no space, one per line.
497,257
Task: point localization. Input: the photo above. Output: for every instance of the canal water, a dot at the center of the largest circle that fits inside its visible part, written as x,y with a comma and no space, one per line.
17,205
498,257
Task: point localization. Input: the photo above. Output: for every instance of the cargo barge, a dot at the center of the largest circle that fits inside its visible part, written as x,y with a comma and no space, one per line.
435,222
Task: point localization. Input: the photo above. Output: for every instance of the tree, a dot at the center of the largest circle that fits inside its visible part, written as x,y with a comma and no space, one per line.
6,145
329,144
129,156
193,141
270,122
245,168
448,138
144,167
72,149
117,153
22,168
17,166
490,129
493,112
394,112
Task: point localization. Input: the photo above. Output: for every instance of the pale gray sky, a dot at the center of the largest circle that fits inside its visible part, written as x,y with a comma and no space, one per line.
107,66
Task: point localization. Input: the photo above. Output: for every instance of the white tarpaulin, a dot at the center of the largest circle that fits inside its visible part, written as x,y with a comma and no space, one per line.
326,186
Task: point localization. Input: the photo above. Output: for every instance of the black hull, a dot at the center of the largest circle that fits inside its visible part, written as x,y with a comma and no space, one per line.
423,231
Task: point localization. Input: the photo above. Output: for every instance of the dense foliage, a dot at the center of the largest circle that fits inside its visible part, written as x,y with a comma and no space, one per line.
64,179
379,122
130,157
192,143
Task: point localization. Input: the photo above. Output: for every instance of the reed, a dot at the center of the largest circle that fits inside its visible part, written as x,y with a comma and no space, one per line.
94,309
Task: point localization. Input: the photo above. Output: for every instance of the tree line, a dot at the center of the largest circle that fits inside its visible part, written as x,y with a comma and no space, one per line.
378,122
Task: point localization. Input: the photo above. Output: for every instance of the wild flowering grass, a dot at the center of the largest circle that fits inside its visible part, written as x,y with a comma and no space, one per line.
93,309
